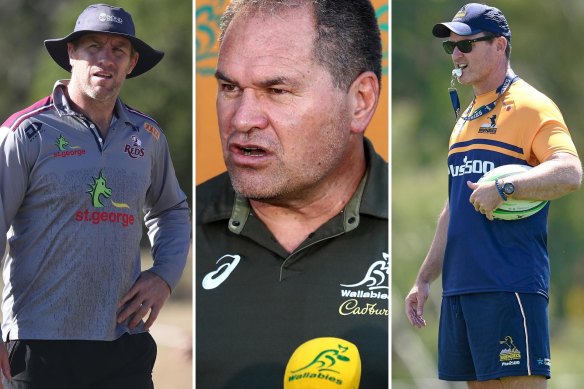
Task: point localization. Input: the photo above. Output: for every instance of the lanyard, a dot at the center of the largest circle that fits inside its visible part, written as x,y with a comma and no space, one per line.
510,78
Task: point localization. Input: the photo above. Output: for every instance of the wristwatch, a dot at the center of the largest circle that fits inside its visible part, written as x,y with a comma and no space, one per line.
508,189
502,189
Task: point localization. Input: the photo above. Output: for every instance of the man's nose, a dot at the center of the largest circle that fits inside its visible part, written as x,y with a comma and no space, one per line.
249,113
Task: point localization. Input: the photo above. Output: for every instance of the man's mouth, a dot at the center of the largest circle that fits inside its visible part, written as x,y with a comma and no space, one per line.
103,75
253,151
457,71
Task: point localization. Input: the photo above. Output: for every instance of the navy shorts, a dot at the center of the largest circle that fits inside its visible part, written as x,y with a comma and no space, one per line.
485,336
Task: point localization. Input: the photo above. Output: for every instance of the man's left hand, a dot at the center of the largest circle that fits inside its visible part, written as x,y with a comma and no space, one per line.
148,294
485,197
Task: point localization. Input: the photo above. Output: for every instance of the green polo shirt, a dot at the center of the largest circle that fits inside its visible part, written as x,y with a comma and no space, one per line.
256,303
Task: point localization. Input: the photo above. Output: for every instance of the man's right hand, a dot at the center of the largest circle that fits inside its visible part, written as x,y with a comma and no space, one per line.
4,365
415,301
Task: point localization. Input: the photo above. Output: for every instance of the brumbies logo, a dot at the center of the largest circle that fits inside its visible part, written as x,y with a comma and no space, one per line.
460,14
134,150
374,286
65,150
510,355
489,128
99,191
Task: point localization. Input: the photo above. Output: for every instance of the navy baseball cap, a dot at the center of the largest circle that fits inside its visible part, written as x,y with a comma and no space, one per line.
472,19
111,20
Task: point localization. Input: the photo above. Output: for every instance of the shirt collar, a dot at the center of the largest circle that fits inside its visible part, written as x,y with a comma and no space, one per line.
371,196
63,107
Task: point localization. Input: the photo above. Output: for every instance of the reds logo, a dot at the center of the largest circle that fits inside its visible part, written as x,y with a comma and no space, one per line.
134,150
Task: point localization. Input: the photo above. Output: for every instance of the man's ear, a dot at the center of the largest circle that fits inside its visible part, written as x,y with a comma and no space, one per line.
502,43
134,61
70,50
364,94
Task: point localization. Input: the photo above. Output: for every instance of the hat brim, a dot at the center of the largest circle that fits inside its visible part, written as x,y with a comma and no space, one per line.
148,58
443,30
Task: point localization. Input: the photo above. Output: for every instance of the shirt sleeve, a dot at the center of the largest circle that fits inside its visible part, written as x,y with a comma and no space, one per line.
552,135
167,218
550,139
14,173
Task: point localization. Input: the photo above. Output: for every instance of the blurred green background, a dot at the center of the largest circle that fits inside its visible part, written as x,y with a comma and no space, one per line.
547,46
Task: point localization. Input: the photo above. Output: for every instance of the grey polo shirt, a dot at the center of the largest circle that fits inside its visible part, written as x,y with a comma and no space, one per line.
73,204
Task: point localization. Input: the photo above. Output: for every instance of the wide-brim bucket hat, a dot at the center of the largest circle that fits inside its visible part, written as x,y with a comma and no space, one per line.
107,19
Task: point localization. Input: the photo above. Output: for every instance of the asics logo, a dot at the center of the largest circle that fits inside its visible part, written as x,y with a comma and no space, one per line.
227,264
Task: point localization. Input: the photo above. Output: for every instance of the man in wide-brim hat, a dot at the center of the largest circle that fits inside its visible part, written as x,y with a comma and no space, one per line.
101,18
79,170
101,52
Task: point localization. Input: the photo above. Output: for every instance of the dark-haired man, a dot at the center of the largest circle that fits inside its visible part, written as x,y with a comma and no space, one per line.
292,243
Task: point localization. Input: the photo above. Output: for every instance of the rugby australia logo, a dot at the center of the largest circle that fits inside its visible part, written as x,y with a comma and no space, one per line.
322,366
375,286
375,279
227,264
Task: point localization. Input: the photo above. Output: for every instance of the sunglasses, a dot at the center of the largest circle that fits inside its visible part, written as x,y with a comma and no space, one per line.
464,46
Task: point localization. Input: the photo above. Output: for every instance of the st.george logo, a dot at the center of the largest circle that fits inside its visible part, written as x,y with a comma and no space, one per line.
66,150
227,264
98,189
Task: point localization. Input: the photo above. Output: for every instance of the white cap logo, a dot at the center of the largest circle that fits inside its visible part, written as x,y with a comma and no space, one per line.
103,17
